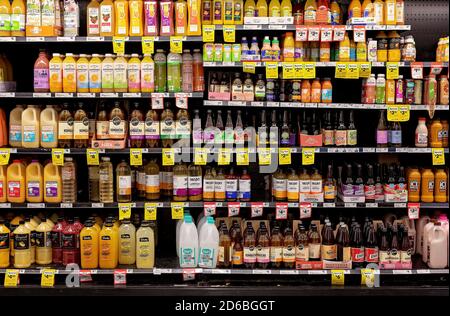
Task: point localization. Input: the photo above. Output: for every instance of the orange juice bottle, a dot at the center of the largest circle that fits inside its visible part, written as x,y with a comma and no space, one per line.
354,9
414,179
16,182
440,186
83,74
194,17
367,9
134,74
5,18
344,49
180,17
289,47
316,91
390,13
136,19
95,74
427,188
18,18
436,134
52,183
34,182
93,18
56,73
121,17
89,246
306,91
69,74
108,246
310,12
327,91
4,244
390,91
3,184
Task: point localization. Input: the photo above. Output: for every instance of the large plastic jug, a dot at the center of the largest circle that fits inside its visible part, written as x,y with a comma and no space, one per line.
209,244
177,234
188,243
3,184
426,238
438,250
52,184
35,182
30,127
15,126
16,182
420,227
49,127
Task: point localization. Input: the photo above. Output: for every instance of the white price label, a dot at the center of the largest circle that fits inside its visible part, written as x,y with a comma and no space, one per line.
281,211
301,34
413,210
209,208
313,34
359,33
181,100
120,277
326,34
233,208
257,209
338,33
305,210
417,70
157,102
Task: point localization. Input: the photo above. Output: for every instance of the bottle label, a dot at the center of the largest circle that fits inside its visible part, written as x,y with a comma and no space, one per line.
41,79
310,16
137,129
93,21
195,185
83,75
168,129
81,129
314,251
371,254
219,186
4,241
276,254
33,188
134,76
231,187
68,241
120,75
260,91
289,254
166,179
394,255
348,189
329,252
15,133
102,129
280,188
206,257
405,256
346,254
2,192
382,137
357,254
107,75
14,189
65,129
395,137
430,186
21,241
262,254
183,128
352,137
442,186
180,185
43,239
117,128
151,129
56,240
305,186
18,22
124,185
421,138
147,76
302,253
237,257
244,188
389,188
249,254
369,192
47,134
358,189
316,186
328,137
208,186
329,192
51,188
293,189
384,256
106,18
95,76
413,186
340,138
152,183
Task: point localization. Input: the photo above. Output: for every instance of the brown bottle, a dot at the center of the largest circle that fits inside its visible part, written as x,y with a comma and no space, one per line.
195,182
152,129
329,248
249,246
263,247
314,243
301,244
152,185
65,127
183,127
288,249
234,231
276,247
137,127
166,181
406,249
343,243
371,246
384,246
357,248
225,250
81,128
238,252
117,123
168,131
394,251
140,180
102,124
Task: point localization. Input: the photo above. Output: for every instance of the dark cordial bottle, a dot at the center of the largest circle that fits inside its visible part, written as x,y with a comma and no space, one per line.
357,247
329,187
395,135
352,133
340,135
249,246
371,246
285,130
260,88
394,251
329,247
276,247
328,131
359,182
347,186
369,187
406,248
273,132
343,244
382,131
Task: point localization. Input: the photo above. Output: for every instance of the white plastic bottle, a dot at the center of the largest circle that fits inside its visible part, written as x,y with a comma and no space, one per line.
188,243
426,237
438,250
49,127
209,244
421,222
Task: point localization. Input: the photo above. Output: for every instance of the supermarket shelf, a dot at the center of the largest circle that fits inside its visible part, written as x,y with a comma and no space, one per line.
292,27
353,106
294,150
317,64
168,204
89,39
26,95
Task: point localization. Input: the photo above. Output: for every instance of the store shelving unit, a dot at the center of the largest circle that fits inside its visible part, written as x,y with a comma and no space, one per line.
316,64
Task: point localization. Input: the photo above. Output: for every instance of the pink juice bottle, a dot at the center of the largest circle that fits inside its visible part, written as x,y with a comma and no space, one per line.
57,244
71,243
166,14
187,71
41,73
198,73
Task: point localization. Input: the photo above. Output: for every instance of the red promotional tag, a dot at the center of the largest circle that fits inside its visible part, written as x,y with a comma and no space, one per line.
417,70
257,209
188,274
313,33
301,34
281,211
338,33
305,210
326,34
413,210
120,277
359,33
209,208
233,208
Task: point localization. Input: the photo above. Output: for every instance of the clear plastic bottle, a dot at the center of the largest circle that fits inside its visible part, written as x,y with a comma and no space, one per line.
94,184
123,182
160,71
197,71
187,71
69,181
106,181
174,72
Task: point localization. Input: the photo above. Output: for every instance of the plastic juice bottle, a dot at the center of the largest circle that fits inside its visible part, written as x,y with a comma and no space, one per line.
293,186
390,13
134,74
107,18
361,51
160,72
120,74
367,9
378,11
18,18
43,243
327,91
207,12
274,8
174,72
56,73
180,17
390,91
52,184
83,74
286,8
107,73
69,74
5,18
3,184
41,73
4,244
228,8
250,8
288,47
145,246
147,74
218,11
436,134
15,126
238,12
95,74
34,182
335,13
310,12
427,188
262,8
30,226
166,18
414,179
89,246
127,243
440,186
316,91
93,18
108,246
16,182
306,91
22,246
30,127
354,10
121,17
136,17
344,49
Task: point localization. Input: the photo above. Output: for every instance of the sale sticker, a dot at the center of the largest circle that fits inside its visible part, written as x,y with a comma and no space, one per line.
124,211
4,156
200,156
176,44
224,156
209,208
264,156
271,70
301,33
48,277
58,157
337,277
177,210
119,45
136,156
150,211
168,156
413,210
242,156
392,70
438,156
417,70
281,211
359,33
208,33
229,33
11,278
257,209
284,156
233,208
92,157
308,156
148,45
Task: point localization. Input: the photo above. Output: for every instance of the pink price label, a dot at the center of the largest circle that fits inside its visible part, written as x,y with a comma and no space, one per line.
257,209
305,210
120,277
233,208
313,34
359,33
413,210
157,103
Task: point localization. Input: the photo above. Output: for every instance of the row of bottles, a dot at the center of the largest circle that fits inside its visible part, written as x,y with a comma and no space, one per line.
427,185
97,73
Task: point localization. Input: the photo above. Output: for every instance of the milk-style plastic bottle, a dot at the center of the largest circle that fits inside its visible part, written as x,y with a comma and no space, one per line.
188,243
438,250
49,127
209,244
421,222
16,182
177,234
426,238
30,127
52,184
15,126
34,182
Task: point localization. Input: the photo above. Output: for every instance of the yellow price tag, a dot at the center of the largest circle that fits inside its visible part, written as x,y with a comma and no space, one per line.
208,33
48,277
176,44
200,156
11,278
136,156
337,277
392,113
168,157
124,211
150,211
392,70
298,70
264,156
352,71
309,71
58,157
148,45
288,70
308,156
4,156
271,70
249,67
284,156
229,33
224,156
365,69
177,210
119,45
242,156
340,70
438,157
367,277
403,113
92,157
